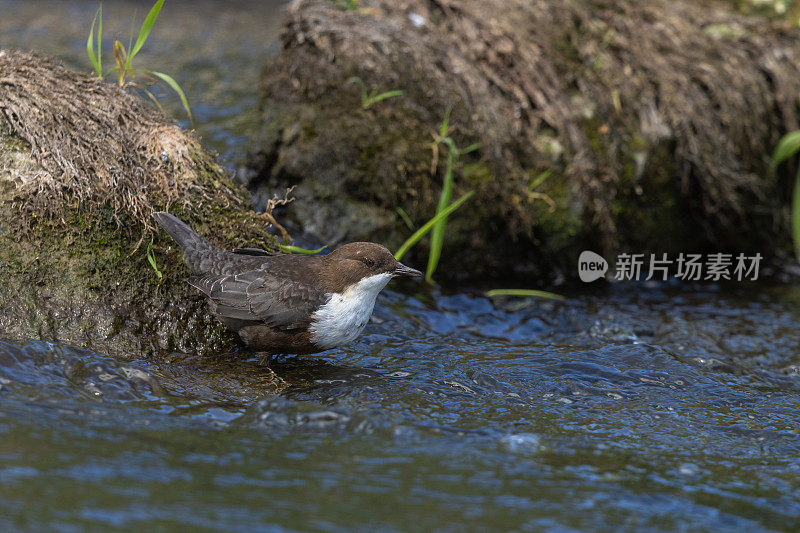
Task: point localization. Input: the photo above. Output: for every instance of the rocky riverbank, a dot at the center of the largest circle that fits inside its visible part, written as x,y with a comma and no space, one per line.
610,125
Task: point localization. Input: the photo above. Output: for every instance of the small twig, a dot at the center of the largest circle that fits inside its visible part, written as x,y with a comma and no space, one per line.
541,196
271,220
272,203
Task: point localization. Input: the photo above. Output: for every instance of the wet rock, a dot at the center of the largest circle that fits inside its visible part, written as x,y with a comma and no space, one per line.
83,164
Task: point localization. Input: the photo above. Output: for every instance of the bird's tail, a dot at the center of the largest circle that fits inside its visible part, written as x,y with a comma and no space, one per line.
201,255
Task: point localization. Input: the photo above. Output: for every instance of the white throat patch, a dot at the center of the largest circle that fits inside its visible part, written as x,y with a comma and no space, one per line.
341,320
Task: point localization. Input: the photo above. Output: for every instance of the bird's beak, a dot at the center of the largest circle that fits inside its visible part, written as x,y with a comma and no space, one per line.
403,270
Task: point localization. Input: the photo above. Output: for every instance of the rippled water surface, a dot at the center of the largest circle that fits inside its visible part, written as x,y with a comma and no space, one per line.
667,408
636,407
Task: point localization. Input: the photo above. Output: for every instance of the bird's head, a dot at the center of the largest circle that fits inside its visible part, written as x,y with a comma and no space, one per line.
357,261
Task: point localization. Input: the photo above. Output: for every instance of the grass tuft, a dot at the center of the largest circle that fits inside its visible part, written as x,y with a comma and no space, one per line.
373,97
437,224
151,258
453,155
411,241
124,57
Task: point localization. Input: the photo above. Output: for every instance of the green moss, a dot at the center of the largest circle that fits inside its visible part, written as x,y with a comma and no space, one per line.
557,222
477,174
566,48
13,143
84,278
648,207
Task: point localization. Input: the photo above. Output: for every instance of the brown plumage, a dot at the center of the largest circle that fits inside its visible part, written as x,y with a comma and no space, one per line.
274,302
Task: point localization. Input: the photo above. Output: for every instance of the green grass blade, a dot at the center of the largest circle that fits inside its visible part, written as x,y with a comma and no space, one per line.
383,96
95,58
297,250
360,82
470,148
451,145
437,236
349,5
129,57
169,80
796,215
411,241
100,42
151,258
445,122
90,44
147,25
405,217
524,292
539,179
787,147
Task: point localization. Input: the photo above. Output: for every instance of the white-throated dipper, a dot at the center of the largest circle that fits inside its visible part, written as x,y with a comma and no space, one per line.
285,304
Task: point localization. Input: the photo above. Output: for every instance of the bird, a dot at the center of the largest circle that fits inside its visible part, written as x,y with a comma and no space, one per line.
288,303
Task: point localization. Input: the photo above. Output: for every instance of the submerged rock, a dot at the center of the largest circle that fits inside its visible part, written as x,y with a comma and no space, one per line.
83,164
611,125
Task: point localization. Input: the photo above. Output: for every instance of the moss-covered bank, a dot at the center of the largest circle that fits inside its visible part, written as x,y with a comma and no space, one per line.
82,166
653,122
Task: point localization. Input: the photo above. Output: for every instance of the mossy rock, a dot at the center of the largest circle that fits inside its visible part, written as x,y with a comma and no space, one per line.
83,164
654,131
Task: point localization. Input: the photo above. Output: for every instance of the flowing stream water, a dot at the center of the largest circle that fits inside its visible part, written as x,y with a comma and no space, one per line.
657,406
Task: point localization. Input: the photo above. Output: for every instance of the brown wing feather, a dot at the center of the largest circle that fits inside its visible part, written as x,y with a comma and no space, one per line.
257,296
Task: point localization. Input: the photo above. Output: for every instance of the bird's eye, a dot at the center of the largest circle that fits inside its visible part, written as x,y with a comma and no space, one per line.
369,262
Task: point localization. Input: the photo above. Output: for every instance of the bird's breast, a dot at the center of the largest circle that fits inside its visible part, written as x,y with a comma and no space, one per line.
342,318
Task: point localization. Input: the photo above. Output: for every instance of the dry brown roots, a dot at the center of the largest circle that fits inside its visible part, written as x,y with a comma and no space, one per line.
99,146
